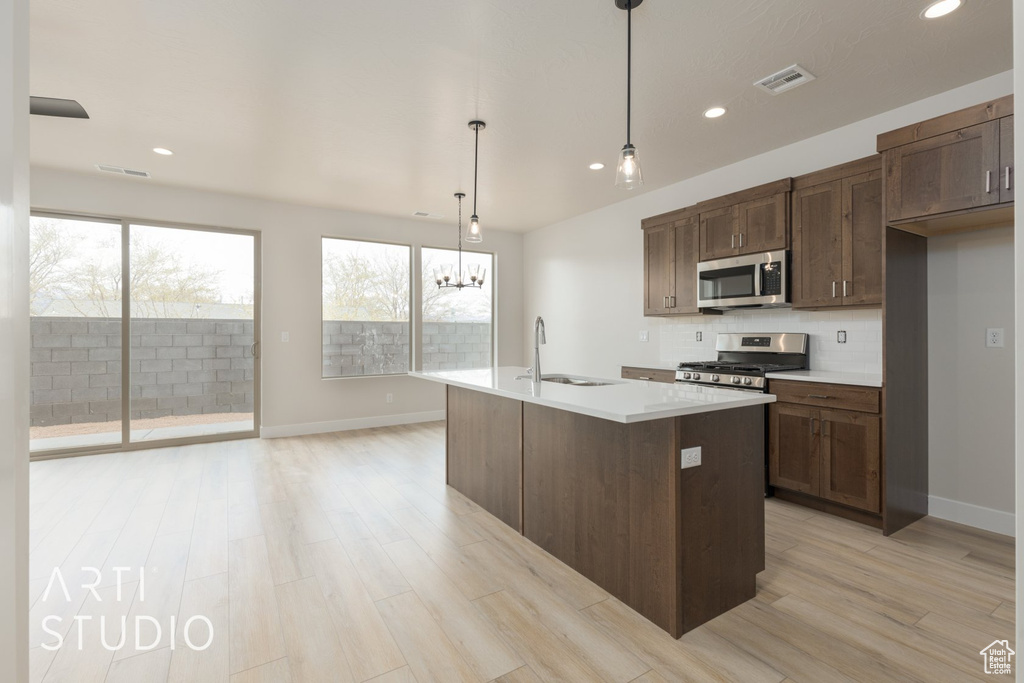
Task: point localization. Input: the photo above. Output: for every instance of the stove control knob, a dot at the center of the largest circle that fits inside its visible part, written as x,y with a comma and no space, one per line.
696,375
748,381
686,375
714,378
736,380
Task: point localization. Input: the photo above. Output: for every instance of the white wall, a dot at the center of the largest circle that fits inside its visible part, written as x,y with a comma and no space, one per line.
584,275
1018,250
295,399
14,361
970,387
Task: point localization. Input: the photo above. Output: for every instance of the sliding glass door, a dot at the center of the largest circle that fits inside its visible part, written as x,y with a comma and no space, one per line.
75,305
183,301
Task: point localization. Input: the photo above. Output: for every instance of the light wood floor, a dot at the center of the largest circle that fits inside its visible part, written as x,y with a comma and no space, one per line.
344,557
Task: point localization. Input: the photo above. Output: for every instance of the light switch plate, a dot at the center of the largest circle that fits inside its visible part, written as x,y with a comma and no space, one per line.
994,338
284,336
689,457
645,336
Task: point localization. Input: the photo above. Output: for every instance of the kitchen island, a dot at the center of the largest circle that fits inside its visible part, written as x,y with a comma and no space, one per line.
594,476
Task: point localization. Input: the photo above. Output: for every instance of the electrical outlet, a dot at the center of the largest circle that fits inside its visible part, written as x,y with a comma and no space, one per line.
994,338
700,336
390,398
841,337
689,457
645,336
284,336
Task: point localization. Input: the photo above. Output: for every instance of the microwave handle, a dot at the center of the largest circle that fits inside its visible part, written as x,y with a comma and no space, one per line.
757,280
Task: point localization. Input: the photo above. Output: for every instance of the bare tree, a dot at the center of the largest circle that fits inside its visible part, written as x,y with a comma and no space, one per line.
62,268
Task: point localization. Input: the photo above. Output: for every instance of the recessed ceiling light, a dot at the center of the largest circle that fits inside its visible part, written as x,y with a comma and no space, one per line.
940,8
596,166
714,112
163,150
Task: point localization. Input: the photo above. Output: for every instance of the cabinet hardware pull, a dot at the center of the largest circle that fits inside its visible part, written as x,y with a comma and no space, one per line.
664,302
732,241
817,396
833,289
672,301
812,426
741,240
988,181
844,288
1007,177
252,349
646,378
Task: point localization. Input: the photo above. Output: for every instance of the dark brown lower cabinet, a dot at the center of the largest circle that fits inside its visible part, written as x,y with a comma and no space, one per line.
832,455
850,457
793,452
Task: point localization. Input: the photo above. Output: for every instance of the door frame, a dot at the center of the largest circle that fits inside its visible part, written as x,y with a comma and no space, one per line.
126,444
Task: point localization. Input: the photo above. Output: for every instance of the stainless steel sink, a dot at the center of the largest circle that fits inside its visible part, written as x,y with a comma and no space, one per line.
576,381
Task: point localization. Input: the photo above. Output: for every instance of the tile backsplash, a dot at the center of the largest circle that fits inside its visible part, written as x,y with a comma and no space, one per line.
862,351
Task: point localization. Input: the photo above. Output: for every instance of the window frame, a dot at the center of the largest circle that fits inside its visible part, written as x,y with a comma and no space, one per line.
494,303
412,300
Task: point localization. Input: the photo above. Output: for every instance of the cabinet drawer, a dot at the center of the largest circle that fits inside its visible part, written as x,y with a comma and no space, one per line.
650,374
838,396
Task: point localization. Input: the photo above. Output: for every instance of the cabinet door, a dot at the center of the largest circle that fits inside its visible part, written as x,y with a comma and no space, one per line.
763,224
817,245
793,448
659,253
1006,159
850,455
719,230
951,172
862,239
687,240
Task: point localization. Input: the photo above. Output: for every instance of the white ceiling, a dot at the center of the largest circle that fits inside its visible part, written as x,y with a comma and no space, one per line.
364,105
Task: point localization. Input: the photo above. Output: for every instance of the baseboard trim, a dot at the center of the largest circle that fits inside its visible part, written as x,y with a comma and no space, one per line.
347,425
972,515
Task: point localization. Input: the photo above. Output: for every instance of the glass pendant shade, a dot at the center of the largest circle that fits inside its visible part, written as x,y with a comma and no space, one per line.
629,175
474,235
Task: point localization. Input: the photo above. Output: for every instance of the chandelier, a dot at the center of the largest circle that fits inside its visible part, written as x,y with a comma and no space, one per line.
449,276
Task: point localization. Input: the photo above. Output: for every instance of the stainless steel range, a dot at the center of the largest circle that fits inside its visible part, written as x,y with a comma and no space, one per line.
745,359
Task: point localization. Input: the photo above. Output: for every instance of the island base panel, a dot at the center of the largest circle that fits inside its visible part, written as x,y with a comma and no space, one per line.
611,501
722,541
484,452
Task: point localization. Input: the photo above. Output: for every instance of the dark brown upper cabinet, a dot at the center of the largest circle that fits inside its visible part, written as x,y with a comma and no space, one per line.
837,236
670,264
1006,159
952,172
747,222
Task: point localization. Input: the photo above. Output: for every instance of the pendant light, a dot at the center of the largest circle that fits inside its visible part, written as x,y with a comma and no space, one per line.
628,175
474,235
448,276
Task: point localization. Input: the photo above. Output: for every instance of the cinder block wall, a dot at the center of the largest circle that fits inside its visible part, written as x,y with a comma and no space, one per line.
372,348
179,367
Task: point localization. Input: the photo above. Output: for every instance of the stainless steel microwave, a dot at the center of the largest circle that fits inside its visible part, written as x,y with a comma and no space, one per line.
751,281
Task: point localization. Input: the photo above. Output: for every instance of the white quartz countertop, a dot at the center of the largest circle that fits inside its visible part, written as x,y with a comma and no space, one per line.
853,378
620,401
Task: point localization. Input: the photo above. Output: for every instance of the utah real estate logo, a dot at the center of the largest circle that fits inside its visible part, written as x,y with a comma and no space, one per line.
998,657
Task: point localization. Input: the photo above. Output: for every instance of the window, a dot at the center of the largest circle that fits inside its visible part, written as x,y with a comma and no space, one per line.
366,295
458,325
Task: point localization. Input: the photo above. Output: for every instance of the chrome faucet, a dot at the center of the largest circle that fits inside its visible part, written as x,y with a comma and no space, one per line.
539,337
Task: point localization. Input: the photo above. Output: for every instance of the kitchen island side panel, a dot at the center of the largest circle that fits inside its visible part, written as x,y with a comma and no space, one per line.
484,452
722,544
602,497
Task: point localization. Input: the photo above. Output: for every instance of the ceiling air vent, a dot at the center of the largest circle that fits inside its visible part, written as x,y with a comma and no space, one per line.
787,79
122,171
427,214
